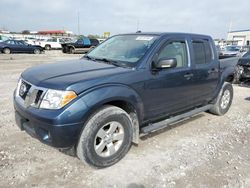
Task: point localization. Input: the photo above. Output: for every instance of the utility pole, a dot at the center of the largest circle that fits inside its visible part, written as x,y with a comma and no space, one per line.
78,22
230,26
137,27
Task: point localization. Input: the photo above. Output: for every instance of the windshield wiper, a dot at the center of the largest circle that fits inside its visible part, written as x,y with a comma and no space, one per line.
89,58
108,61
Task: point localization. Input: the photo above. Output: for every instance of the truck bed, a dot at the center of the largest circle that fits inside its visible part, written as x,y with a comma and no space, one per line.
228,62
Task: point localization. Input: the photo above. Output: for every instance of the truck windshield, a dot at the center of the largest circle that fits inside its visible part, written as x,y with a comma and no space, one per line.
127,49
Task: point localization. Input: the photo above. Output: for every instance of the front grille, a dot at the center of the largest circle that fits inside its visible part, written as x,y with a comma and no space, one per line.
247,70
28,94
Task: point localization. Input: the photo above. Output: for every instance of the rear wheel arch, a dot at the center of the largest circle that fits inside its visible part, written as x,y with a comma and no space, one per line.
218,108
229,78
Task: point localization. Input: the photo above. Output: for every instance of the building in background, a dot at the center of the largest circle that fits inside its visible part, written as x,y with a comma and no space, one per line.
240,37
56,33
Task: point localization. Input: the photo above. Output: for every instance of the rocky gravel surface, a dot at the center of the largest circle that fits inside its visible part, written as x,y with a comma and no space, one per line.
204,151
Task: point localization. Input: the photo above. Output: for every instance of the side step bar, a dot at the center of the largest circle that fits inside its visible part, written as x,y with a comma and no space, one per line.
166,122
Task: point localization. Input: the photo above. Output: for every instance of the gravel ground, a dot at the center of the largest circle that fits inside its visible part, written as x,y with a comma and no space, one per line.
205,151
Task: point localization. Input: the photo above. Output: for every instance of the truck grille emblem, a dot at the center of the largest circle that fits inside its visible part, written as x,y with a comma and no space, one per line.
22,90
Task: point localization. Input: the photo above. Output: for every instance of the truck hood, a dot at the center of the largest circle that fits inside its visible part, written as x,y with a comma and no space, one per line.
63,75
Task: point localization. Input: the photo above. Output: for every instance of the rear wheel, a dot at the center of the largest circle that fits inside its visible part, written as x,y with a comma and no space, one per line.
47,47
37,51
6,51
224,100
106,137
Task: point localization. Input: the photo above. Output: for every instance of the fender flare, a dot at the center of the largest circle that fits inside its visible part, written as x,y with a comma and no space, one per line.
225,74
98,96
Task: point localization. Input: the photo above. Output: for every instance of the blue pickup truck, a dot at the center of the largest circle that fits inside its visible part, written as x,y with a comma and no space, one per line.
80,46
129,85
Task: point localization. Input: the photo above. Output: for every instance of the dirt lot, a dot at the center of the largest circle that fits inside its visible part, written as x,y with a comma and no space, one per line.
205,151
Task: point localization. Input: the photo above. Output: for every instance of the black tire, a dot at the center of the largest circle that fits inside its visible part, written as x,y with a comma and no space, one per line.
86,147
47,47
71,50
64,50
37,51
221,107
6,51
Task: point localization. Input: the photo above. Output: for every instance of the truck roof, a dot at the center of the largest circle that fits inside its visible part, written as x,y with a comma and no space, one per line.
168,33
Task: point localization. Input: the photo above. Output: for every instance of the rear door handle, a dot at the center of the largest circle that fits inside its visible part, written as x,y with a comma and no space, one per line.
188,75
213,70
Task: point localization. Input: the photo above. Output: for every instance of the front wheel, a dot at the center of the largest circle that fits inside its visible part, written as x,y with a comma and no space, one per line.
72,50
6,51
106,137
224,100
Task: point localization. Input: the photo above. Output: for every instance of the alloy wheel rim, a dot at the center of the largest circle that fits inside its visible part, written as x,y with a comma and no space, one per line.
225,100
109,139
7,51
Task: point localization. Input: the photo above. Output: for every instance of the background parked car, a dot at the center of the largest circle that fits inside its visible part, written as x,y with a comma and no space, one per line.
53,43
19,46
230,51
80,46
243,68
3,38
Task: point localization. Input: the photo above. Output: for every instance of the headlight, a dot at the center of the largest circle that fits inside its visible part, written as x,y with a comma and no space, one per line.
55,99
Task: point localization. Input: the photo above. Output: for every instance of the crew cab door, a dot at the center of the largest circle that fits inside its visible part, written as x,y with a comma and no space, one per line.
168,90
206,71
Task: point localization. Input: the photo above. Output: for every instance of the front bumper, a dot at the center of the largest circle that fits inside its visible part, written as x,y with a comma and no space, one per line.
246,72
57,128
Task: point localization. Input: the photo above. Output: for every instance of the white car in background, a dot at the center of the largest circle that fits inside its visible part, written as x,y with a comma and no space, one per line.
3,38
53,43
231,51
30,41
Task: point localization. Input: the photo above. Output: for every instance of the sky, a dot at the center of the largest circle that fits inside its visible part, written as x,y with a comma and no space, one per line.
210,17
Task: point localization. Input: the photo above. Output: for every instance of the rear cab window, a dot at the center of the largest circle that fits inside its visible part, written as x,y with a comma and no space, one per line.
202,52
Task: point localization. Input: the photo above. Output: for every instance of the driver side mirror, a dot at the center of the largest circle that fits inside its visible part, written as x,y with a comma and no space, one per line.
165,63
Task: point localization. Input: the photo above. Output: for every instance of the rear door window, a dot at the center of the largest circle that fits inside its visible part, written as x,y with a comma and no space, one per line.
202,52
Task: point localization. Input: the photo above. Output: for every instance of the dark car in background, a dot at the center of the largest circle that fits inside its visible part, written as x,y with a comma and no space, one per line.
19,46
80,46
243,68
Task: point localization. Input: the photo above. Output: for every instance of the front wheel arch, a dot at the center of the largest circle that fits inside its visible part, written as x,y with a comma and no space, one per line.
86,150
